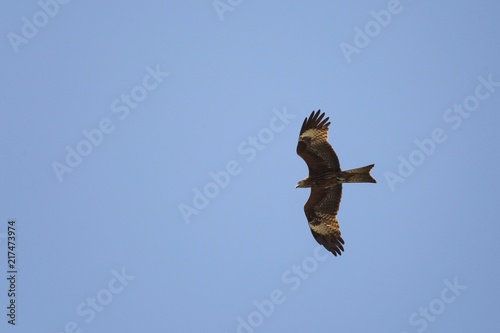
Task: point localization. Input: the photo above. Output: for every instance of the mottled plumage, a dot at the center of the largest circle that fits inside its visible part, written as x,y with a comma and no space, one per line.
325,180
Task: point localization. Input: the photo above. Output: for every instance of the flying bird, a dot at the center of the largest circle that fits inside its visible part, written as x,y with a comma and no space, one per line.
325,180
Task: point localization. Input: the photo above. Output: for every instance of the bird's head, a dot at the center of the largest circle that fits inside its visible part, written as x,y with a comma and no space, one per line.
302,183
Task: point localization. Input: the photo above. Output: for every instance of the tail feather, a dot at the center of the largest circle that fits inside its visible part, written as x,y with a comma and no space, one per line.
359,175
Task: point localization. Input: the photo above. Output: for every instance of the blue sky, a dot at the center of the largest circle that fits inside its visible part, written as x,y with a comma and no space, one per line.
149,163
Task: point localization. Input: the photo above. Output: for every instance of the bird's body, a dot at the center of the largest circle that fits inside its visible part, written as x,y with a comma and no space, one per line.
330,177
325,180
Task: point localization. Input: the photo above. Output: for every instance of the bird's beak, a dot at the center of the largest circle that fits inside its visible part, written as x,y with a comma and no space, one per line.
296,185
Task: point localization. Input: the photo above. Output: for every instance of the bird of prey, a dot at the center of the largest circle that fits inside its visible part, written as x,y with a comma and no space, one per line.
325,180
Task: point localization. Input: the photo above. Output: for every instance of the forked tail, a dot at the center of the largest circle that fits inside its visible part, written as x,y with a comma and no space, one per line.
359,175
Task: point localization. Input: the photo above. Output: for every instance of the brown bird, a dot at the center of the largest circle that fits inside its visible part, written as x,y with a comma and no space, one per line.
325,180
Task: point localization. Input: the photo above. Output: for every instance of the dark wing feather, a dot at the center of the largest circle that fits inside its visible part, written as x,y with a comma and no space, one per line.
321,212
313,146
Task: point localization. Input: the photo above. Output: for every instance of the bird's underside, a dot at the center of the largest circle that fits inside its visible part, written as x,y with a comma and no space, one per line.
325,180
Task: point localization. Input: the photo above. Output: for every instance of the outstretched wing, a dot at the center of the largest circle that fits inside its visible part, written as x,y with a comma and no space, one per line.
321,212
313,146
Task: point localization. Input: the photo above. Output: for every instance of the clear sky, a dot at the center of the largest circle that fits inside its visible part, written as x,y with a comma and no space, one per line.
148,161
